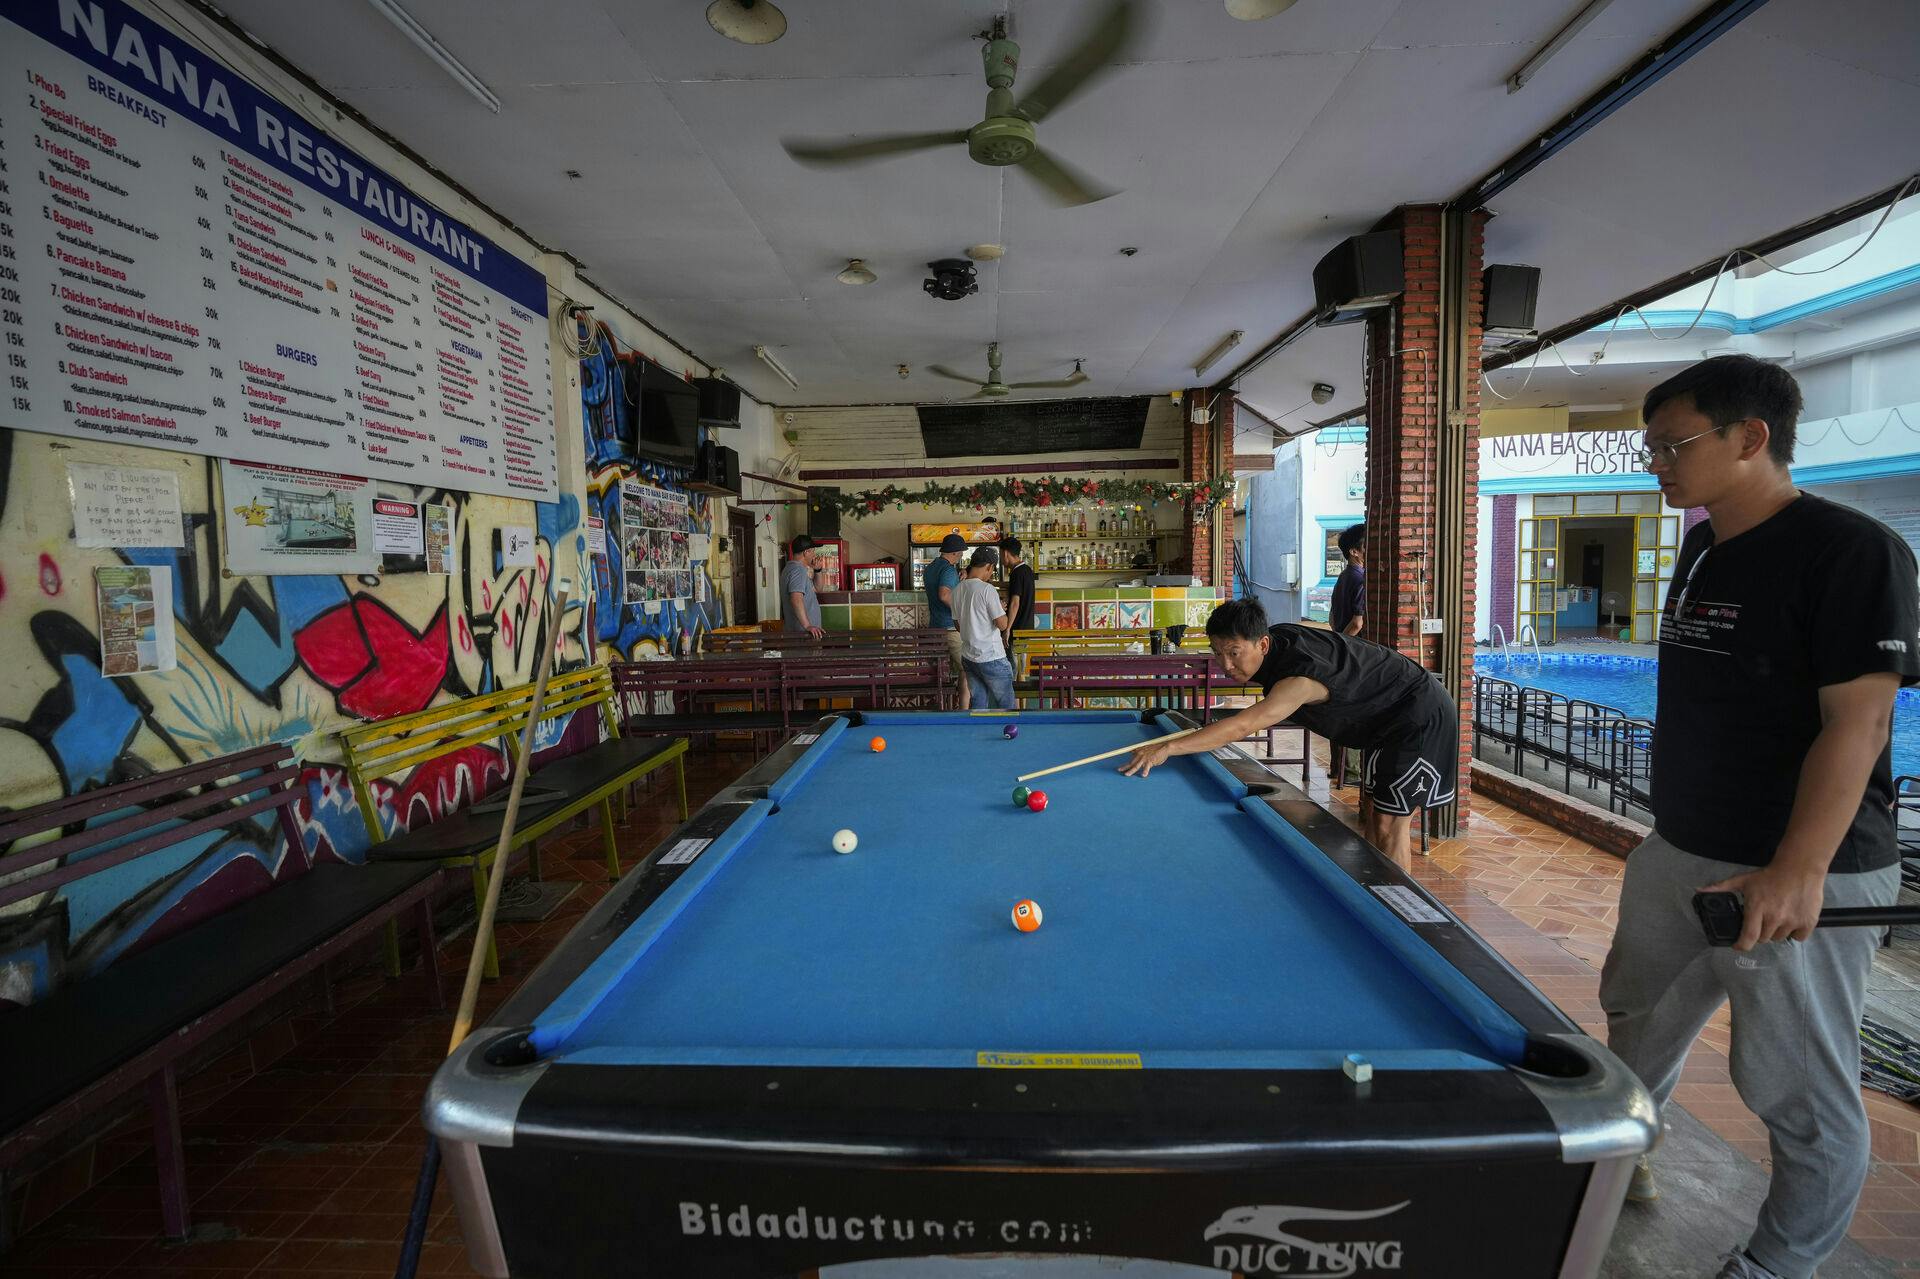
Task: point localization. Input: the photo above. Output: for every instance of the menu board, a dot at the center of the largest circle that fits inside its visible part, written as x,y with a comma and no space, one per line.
186,263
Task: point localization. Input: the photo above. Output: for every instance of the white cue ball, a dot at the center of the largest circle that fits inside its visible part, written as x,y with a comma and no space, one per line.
845,841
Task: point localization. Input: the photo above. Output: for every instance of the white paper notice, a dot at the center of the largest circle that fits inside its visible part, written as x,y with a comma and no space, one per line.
596,536
684,851
439,538
516,546
396,527
1408,904
136,619
699,546
121,506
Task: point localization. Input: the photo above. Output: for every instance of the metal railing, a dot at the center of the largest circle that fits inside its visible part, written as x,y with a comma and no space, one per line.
1500,641
1609,751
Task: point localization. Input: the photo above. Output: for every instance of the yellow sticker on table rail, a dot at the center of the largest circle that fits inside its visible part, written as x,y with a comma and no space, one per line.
1059,1061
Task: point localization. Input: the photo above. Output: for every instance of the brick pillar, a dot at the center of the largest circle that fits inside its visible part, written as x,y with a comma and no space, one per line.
1208,454
1403,354
1420,541
1695,515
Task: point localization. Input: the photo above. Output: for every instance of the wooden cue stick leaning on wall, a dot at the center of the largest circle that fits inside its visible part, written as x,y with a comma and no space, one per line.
483,928
410,1243
1094,759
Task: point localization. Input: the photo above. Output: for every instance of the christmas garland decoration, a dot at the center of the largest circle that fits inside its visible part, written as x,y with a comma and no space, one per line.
1203,496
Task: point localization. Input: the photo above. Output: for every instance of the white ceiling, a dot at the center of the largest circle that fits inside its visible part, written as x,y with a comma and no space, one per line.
1245,151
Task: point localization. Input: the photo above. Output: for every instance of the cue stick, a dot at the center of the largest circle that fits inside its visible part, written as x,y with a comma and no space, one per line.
483,927
1093,759
415,1236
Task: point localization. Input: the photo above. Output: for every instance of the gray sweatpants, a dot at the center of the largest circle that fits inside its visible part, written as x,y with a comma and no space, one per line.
1796,1035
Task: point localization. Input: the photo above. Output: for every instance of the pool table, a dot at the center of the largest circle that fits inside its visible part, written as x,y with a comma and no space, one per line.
1241,1041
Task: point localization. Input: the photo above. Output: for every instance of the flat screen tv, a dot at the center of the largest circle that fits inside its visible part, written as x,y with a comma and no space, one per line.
667,408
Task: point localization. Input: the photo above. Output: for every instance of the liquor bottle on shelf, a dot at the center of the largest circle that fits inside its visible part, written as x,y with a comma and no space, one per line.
1083,524
1103,524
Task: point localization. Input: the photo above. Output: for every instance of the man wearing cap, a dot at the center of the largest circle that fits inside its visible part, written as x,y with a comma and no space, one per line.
799,603
979,621
942,576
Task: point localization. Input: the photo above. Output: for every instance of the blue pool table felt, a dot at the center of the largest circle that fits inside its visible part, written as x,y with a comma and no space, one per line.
1182,923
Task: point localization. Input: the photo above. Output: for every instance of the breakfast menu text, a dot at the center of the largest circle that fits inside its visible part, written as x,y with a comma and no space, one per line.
187,263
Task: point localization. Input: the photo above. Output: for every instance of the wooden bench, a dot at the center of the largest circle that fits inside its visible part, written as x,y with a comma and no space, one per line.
563,784
919,639
1185,682
129,1025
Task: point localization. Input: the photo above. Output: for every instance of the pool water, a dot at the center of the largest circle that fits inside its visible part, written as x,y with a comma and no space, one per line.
1629,684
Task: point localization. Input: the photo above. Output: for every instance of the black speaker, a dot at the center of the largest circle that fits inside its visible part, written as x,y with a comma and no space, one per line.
719,402
716,470
823,516
1510,293
1363,273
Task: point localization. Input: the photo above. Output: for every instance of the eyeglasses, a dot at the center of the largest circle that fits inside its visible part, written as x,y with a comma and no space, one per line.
1648,454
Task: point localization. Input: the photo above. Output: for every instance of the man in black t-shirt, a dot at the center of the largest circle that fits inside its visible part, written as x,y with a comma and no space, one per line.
1346,690
1788,627
1347,611
1019,588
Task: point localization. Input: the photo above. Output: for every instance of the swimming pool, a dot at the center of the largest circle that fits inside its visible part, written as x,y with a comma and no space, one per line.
1629,684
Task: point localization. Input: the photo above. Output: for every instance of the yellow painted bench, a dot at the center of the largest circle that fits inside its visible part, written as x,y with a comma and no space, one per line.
557,791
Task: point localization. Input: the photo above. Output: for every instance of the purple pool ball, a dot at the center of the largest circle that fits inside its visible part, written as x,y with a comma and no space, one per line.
1010,732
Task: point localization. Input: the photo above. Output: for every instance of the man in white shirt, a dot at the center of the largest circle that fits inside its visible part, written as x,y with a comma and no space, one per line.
980,619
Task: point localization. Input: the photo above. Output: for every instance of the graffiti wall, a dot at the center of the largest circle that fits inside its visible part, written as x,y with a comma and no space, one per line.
259,659
633,632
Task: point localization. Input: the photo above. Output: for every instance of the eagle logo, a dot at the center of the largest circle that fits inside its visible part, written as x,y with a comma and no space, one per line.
1270,1221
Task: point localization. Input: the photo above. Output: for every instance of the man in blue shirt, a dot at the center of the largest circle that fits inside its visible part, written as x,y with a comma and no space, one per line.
943,574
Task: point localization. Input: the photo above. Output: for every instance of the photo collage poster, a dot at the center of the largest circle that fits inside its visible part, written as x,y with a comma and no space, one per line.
654,543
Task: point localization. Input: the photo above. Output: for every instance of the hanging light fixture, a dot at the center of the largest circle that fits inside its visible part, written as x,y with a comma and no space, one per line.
423,39
856,273
747,21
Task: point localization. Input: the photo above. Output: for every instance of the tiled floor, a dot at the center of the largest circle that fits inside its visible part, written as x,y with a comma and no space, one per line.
302,1145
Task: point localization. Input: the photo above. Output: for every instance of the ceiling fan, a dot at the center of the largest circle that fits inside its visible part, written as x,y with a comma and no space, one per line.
1005,136
994,387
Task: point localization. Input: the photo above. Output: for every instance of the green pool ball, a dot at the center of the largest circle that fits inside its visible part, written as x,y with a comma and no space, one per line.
1020,794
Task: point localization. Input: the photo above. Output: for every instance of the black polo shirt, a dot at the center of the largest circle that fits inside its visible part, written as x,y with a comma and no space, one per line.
1020,586
1754,628
1372,689
1349,596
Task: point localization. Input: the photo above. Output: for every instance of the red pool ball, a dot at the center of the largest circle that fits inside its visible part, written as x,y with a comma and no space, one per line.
1037,800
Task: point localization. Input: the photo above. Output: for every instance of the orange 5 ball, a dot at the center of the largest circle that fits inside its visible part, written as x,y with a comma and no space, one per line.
877,745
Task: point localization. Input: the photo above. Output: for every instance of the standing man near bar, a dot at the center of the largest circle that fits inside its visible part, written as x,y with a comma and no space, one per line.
942,575
1789,625
799,602
1020,588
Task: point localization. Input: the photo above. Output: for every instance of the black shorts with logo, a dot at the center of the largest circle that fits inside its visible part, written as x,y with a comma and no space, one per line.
1417,767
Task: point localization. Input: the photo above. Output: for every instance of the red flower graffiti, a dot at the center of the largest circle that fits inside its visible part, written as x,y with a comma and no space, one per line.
374,662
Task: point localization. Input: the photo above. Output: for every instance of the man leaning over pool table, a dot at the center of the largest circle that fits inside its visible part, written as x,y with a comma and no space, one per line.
1347,690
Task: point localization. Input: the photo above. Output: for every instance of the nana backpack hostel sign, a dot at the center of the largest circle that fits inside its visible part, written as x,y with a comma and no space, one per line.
186,263
1561,453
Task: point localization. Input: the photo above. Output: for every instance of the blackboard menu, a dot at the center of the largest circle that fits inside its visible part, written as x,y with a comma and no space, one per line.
1043,426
